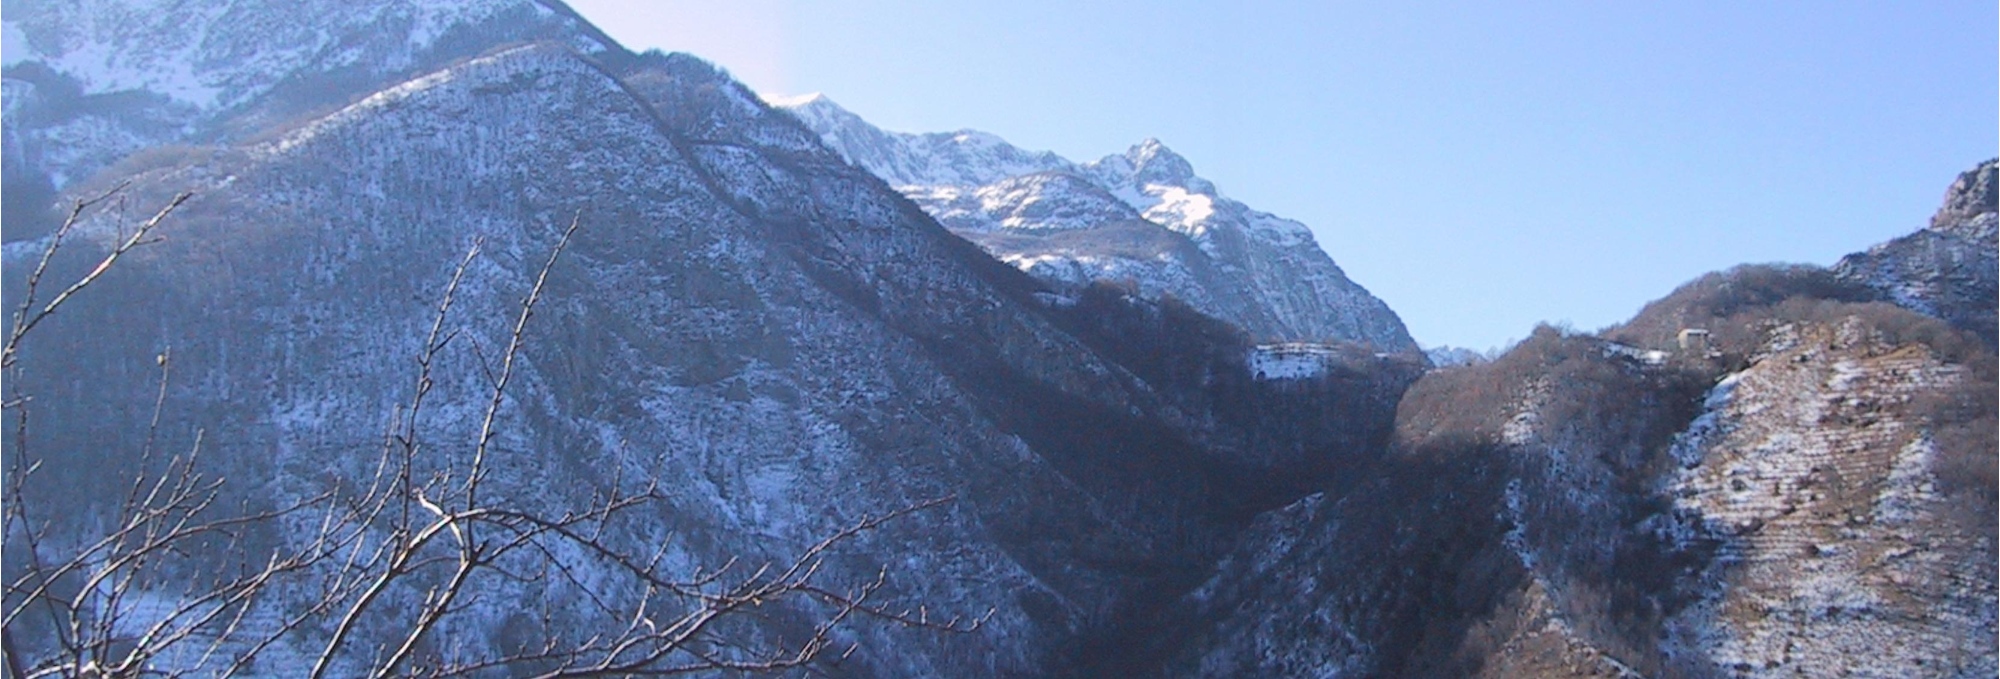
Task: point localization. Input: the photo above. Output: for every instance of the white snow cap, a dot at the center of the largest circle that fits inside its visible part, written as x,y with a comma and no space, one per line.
793,100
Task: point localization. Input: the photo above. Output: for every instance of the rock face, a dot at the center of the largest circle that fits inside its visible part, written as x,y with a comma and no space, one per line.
777,339
1142,218
1973,195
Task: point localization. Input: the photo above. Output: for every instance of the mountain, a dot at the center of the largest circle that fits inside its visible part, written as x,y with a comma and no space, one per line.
1947,269
771,337
1809,492
773,331
1140,218
91,82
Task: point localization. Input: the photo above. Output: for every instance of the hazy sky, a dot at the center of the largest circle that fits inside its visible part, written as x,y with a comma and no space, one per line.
1479,166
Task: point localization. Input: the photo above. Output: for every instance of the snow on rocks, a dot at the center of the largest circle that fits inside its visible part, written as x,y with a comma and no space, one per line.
1292,360
1834,557
1069,222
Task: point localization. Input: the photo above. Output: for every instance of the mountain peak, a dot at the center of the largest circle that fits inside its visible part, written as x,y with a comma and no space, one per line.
818,112
797,100
1154,163
1972,195
1150,163
1149,147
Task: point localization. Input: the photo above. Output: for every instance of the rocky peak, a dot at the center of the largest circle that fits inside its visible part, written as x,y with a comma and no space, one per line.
1150,163
1972,195
1154,163
1948,269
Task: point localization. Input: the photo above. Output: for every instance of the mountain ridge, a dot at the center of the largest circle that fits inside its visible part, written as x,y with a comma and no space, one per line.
790,343
1262,272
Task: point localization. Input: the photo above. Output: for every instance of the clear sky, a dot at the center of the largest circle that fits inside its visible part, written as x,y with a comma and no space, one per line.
1479,166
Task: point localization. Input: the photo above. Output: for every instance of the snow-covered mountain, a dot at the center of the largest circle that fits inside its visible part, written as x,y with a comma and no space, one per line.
1141,218
774,337
90,82
782,328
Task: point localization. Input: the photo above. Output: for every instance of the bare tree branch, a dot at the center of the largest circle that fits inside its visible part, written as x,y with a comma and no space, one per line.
355,547
25,321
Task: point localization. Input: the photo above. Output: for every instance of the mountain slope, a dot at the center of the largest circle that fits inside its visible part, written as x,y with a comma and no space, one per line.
1850,539
90,83
1072,223
750,317
1811,494
776,338
1949,269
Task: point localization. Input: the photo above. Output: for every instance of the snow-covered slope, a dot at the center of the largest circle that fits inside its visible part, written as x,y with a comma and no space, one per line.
966,158
1823,471
1259,271
90,81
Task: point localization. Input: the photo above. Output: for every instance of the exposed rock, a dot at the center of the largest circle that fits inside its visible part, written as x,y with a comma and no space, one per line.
1950,270
1971,195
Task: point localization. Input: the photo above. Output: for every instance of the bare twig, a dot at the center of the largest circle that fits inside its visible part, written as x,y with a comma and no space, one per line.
359,545
26,321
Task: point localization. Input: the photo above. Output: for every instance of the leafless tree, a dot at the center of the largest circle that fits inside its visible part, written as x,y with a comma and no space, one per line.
72,607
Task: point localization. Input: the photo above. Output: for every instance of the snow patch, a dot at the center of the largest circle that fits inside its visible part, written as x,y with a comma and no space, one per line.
105,68
1909,486
1179,209
14,46
1646,356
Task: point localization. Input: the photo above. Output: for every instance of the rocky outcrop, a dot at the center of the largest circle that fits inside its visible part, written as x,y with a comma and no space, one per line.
1951,269
1973,194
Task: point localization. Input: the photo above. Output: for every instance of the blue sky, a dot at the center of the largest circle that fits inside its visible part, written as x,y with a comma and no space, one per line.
1479,166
